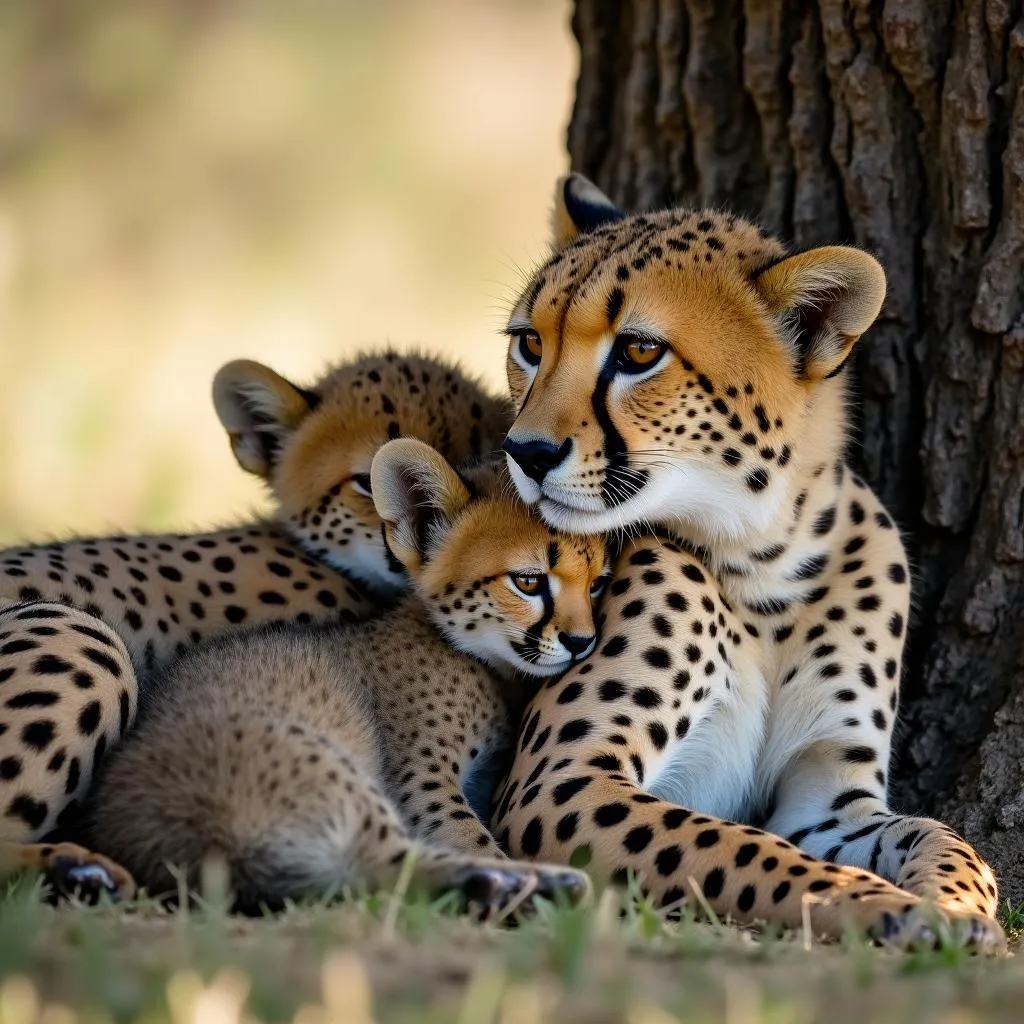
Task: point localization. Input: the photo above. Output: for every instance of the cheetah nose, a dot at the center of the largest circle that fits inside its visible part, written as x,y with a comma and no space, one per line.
577,644
536,458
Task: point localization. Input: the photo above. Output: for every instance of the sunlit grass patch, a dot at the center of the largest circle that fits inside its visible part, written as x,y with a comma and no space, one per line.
371,958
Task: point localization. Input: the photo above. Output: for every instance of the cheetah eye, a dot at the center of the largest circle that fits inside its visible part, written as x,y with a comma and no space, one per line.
361,484
637,355
597,587
529,345
527,583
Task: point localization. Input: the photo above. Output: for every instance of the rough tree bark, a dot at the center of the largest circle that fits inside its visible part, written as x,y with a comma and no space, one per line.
897,125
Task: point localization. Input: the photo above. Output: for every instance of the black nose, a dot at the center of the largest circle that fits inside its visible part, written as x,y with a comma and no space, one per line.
576,643
537,458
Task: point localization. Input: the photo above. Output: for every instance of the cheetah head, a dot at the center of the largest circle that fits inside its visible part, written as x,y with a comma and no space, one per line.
497,582
314,446
677,366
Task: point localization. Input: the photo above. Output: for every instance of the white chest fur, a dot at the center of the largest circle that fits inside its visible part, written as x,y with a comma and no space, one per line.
714,770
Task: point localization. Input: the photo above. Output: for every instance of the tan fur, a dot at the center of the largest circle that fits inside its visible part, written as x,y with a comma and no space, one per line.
139,600
311,759
748,672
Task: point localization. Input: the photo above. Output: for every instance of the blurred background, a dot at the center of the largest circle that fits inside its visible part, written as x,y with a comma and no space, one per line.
183,182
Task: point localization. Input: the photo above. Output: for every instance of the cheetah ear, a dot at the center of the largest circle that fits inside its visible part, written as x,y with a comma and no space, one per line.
259,409
580,206
824,300
417,494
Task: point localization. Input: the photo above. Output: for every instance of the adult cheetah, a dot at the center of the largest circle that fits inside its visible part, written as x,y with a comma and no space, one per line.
82,621
680,370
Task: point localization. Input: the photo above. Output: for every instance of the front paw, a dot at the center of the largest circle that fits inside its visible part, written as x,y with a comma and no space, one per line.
75,872
499,888
926,926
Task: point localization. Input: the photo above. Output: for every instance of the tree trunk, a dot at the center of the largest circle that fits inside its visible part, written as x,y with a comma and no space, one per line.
897,125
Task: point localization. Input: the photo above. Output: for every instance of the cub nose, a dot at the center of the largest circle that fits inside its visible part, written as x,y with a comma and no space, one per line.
577,644
536,458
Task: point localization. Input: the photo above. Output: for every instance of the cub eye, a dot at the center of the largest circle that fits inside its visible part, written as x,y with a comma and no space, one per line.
530,346
597,587
526,583
361,484
636,355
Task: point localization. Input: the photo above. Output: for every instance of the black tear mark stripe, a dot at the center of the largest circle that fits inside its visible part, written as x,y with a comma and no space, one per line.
616,487
615,300
529,647
553,554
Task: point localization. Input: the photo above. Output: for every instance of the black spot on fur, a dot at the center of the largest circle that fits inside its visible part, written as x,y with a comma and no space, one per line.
32,812
758,480
608,815
38,735
615,300
89,718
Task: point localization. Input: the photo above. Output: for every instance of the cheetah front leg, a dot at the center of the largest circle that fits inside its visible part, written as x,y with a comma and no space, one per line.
490,883
590,813
439,744
69,693
836,809
434,806
831,798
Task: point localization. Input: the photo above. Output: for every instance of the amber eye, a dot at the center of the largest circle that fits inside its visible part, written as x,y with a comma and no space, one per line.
361,484
636,355
597,587
527,583
530,346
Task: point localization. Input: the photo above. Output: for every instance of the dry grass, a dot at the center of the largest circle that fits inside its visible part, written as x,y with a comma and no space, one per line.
356,963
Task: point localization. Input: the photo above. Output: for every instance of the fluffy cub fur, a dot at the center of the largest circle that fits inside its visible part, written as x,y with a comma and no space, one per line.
309,759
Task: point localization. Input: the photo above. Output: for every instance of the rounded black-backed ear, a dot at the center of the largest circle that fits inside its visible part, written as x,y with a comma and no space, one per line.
259,409
824,299
580,206
417,494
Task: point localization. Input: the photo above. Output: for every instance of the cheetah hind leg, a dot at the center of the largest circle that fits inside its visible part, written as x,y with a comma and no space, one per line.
70,869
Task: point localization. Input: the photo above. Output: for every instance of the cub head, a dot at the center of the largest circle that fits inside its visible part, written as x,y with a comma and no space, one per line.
677,366
314,445
498,582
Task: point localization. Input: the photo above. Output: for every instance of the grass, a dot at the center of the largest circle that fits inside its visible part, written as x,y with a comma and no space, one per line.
375,958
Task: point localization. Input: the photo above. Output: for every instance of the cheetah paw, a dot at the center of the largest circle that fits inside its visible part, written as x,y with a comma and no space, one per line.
927,927
500,890
75,872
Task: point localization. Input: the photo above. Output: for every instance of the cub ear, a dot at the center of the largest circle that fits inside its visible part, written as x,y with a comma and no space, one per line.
580,206
417,494
824,299
259,409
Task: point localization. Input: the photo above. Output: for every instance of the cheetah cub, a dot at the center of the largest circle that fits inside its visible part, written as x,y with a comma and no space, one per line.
312,759
82,620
